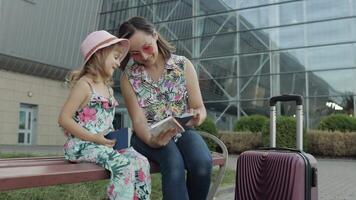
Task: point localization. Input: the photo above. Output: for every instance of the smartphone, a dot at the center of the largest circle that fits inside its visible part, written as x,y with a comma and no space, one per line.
184,118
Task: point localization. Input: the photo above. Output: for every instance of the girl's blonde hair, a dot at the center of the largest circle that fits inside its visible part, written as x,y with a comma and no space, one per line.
94,66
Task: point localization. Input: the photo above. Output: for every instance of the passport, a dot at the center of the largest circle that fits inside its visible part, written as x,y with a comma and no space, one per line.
122,137
163,125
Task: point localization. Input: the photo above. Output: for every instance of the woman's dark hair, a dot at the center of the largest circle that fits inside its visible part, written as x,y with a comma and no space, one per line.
128,28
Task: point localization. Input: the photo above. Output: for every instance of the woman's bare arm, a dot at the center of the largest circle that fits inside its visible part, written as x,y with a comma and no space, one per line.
195,100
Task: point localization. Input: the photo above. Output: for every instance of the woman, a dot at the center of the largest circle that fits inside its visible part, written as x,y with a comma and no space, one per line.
160,84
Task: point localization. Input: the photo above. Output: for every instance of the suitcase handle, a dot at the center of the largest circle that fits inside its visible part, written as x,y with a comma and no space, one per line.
280,149
286,97
299,116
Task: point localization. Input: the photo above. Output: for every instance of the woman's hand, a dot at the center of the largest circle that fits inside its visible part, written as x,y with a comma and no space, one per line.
196,117
100,139
163,138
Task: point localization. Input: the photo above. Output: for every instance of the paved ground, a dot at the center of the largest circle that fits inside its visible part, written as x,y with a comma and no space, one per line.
336,179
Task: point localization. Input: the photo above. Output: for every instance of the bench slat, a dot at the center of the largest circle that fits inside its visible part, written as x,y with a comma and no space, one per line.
218,159
32,163
19,173
31,158
34,176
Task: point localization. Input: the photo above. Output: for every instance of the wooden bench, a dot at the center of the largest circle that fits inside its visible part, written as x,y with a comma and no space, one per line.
17,173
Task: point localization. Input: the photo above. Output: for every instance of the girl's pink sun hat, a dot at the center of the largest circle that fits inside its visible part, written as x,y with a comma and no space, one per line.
100,39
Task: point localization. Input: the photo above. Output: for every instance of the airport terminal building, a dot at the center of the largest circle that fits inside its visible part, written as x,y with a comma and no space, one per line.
244,51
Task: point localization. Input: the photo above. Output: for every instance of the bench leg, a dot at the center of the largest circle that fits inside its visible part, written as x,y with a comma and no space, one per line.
216,183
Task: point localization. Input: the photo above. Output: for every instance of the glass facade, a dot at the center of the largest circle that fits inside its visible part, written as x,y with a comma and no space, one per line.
246,51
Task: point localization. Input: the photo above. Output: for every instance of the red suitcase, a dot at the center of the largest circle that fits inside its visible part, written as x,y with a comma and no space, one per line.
278,173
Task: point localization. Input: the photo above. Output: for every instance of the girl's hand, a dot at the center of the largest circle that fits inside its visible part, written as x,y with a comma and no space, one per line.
100,139
163,138
196,117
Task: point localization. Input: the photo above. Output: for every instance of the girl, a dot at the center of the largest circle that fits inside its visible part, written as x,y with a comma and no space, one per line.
160,84
88,114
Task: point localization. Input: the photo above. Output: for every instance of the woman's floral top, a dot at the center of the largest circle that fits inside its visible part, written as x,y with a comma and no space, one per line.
166,97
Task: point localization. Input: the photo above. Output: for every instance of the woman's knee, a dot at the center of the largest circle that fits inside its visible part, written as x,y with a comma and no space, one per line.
174,174
173,169
201,166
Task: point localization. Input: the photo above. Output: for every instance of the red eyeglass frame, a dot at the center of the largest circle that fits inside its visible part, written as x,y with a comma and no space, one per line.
147,49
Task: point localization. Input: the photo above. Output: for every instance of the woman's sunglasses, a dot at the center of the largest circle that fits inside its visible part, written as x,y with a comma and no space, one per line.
147,49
